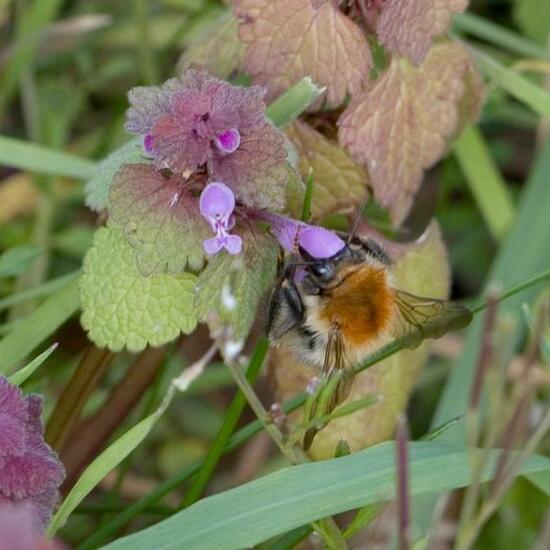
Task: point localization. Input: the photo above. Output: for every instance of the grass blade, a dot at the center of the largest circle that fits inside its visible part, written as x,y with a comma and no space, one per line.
516,85
485,181
279,502
499,36
41,160
40,324
230,421
17,378
40,291
109,459
523,254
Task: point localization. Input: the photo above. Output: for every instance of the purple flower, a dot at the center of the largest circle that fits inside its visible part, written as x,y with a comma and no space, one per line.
29,470
201,120
148,143
216,204
228,142
318,242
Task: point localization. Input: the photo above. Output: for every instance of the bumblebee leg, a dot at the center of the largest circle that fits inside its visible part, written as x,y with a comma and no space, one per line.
286,310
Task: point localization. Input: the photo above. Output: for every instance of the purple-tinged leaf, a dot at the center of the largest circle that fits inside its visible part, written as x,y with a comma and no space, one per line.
29,470
160,218
257,171
402,124
408,28
289,39
147,104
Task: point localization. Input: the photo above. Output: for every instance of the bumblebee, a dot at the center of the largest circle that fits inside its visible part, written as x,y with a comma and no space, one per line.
332,313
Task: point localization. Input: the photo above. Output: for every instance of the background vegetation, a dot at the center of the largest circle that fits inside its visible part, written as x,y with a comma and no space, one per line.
65,69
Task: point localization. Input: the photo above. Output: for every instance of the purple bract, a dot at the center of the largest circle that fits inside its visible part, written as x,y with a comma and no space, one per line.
30,472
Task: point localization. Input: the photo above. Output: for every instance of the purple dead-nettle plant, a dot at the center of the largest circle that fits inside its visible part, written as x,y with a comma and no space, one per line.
203,121
216,161
30,472
206,139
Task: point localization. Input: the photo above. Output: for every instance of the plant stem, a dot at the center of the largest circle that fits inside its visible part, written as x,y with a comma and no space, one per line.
93,364
327,527
261,413
231,418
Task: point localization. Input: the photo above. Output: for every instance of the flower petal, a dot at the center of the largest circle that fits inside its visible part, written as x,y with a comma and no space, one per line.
212,246
319,242
228,142
233,244
148,143
217,201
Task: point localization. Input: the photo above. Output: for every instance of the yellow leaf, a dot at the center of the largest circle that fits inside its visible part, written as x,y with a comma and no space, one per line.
339,183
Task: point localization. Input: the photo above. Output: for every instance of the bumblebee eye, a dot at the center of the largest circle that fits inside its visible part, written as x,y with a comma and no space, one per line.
322,271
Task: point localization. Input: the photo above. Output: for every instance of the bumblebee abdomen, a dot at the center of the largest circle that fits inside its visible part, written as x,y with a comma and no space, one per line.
362,305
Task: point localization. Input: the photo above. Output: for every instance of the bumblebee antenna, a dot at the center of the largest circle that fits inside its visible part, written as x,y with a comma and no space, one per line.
355,224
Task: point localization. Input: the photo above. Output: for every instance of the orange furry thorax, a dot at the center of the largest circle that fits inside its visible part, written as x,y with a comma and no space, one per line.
362,304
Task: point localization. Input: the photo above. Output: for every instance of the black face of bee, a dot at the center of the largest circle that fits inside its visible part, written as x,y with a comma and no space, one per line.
322,273
287,310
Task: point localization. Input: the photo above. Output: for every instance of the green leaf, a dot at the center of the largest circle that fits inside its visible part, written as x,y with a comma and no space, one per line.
34,158
293,102
109,459
485,181
17,378
122,308
40,324
98,186
249,514
230,287
17,259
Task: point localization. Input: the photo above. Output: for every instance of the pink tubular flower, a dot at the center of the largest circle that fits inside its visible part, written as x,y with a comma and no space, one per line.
216,204
318,242
29,470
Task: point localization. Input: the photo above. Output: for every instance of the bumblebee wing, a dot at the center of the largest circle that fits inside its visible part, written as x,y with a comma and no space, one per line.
421,318
337,381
